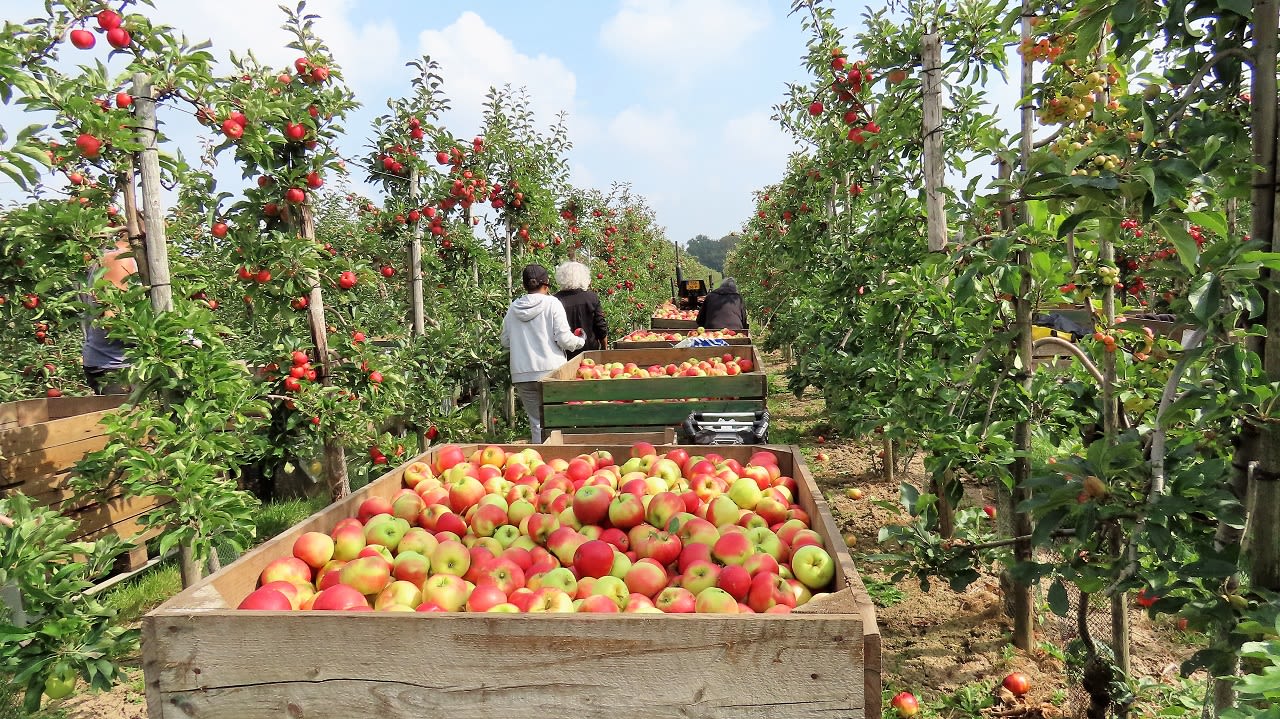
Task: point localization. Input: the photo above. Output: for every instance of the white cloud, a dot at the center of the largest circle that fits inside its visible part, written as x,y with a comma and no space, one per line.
657,136
756,137
683,37
365,51
474,57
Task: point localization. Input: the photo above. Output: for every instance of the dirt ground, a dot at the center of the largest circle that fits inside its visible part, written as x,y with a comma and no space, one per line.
935,642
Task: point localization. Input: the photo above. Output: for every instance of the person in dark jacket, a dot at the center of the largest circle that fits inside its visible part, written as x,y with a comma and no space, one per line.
581,305
723,308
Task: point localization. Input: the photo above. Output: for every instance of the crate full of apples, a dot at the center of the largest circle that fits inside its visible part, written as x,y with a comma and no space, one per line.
505,530
659,338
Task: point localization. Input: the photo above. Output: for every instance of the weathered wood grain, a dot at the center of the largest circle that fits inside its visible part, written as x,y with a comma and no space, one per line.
473,666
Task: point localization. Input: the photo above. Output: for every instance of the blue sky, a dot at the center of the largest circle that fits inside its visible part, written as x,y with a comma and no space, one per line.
672,96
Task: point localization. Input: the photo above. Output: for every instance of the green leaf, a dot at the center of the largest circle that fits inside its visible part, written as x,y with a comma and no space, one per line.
1205,297
1215,222
1243,8
1188,253
1059,603
1070,224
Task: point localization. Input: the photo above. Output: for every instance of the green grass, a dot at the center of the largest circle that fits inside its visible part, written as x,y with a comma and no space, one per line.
144,592
276,517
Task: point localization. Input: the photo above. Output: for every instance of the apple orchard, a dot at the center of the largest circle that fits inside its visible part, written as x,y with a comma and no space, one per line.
288,330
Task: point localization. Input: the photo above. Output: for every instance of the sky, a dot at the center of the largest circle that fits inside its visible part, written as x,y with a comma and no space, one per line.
671,96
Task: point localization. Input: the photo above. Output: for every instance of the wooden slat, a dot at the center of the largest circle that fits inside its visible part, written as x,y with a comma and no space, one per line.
35,472
663,323
126,528
23,413
54,433
60,407
113,513
625,666
661,414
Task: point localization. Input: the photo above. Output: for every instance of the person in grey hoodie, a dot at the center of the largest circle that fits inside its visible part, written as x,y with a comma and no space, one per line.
537,332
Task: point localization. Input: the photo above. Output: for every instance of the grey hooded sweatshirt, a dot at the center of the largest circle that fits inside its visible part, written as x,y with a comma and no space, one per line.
538,335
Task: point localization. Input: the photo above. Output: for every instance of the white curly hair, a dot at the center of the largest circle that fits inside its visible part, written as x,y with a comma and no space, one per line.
573,276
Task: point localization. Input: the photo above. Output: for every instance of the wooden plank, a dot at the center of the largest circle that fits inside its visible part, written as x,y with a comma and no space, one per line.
35,471
638,415
127,528
113,512
61,407
620,665
23,412
663,323
666,436
54,433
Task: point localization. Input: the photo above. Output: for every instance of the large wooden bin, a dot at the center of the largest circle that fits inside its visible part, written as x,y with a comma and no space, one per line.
41,441
744,392
741,339
201,658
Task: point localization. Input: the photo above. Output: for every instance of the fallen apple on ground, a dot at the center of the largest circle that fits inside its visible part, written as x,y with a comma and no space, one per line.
512,531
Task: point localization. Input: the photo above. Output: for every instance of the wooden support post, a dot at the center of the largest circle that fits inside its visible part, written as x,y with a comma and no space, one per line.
1020,592
417,309
156,252
157,256
415,261
335,455
934,166
1263,534
132,222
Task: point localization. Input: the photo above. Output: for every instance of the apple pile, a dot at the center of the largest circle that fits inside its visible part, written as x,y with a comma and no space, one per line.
658,336
723,366
508,532
669,311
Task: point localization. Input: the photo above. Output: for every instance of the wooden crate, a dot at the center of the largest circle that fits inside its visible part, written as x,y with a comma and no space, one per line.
201,658
667,436
744,392
741,339
41,440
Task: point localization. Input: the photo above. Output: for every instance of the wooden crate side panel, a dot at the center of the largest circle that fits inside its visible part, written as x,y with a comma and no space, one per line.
114,513
662,323
54,433
60,407
41,471
750,385
24,412
228,664
638,415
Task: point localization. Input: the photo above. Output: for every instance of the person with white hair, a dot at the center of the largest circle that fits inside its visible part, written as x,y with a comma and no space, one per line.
582,305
